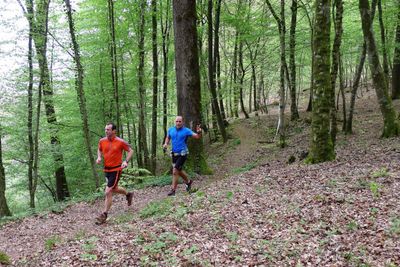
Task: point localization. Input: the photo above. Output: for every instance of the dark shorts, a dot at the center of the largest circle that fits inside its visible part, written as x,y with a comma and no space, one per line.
113,178
178,161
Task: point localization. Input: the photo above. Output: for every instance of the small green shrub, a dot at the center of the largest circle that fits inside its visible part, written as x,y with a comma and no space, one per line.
352,226
159,208
395,226
245,168
374,187
382,172
232,236
154,181
4,258
123,218
191,250
51,242
80,234
90,244
155,247
88,257
236,142
169,237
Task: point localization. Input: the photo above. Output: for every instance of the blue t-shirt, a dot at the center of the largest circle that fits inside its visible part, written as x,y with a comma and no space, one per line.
178,139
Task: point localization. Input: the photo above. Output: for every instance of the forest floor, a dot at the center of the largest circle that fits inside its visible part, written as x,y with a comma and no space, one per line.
257,209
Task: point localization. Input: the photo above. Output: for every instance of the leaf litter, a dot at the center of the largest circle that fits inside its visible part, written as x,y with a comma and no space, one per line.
265,213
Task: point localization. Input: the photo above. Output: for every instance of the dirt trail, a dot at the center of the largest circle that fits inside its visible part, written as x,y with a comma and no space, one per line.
28,236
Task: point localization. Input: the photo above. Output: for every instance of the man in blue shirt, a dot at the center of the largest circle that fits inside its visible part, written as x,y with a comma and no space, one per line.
178,136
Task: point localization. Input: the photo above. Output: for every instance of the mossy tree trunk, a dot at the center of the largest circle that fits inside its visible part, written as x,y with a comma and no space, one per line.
188,77
322,148
338,5
396,60
390,122
4,210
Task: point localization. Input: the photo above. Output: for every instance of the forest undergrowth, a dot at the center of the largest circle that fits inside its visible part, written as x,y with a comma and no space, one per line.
262,207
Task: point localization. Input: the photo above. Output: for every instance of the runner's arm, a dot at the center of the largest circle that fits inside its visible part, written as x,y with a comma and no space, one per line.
128,158
166,142
98,156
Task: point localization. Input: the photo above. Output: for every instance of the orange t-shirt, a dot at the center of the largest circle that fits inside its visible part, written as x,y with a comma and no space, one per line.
112,152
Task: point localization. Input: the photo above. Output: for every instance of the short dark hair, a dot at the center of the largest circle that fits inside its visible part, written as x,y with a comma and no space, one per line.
113,126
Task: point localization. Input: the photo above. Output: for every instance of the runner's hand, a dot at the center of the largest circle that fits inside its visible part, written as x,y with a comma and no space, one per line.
124,164
198,129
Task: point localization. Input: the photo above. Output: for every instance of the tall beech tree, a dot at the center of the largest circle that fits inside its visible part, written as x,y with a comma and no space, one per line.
40,39
188,76
32,141
4,210
142,132
322,148
396,59
390,121
280,20
212,53
357,77
338,18
114,65
80,92
165,32
155,86
294,113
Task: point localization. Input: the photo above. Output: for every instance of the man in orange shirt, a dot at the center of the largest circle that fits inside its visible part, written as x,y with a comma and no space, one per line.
112,147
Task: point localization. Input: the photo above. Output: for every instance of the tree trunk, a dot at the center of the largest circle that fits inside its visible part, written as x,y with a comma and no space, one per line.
114,66
338,18
31,144
142,90
391,124
235,104
341,84
81,93
4,210
383,41
219,86
127,107
241,79
188,76
282,41
40,38
356,82
309,19
322,148
211,73
155,87
357,77
292,63
165,28
396,60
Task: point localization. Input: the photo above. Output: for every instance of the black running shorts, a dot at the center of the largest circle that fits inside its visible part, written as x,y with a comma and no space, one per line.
113,178
178,161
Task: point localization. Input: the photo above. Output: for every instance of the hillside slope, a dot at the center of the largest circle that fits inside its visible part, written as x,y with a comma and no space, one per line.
256,210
